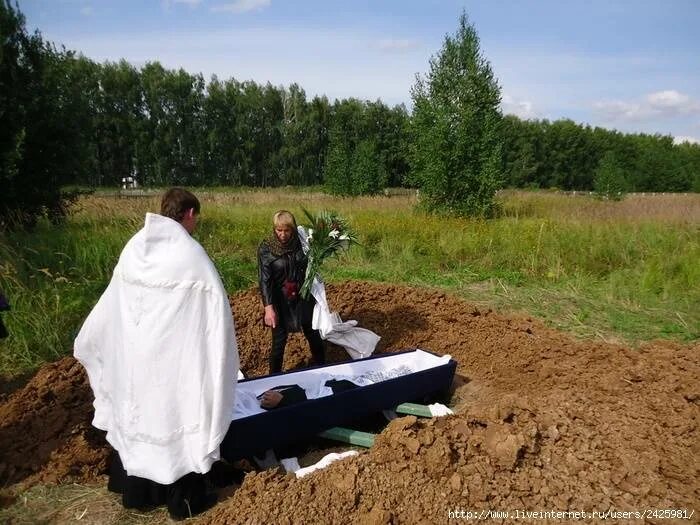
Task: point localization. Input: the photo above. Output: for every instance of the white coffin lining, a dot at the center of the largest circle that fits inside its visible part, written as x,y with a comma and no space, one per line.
417,360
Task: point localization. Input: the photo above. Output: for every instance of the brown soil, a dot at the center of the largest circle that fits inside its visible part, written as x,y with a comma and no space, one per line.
543,422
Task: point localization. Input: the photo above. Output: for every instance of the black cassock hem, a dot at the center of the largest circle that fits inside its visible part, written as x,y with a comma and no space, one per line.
184,498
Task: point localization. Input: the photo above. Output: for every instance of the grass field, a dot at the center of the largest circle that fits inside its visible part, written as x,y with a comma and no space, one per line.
626,270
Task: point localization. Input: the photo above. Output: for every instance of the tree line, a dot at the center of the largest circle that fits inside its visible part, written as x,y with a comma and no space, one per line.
566,155
68,120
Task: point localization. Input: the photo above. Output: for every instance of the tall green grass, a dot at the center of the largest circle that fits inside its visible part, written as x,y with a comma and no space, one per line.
624,270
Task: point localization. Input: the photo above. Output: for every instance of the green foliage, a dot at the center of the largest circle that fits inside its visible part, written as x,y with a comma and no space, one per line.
610,181
170,153
67,120
303,137
45,118
366,147
120,127
338,177
366,171
565,155
456,156
328,235
586,265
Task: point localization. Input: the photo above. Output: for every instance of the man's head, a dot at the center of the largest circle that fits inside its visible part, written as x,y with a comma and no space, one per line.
181,206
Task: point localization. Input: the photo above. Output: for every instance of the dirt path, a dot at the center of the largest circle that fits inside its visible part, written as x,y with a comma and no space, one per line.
543,422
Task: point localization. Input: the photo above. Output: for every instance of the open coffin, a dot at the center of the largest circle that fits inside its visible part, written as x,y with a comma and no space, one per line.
389,379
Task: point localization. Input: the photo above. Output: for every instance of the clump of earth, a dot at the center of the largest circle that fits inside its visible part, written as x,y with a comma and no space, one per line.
542,422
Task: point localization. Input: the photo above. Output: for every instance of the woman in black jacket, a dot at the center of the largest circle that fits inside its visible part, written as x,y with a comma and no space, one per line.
281,269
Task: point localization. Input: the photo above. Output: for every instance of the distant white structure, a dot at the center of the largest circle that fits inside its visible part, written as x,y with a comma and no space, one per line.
129,183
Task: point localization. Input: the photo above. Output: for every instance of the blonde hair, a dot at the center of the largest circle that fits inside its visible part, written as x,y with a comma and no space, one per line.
284,218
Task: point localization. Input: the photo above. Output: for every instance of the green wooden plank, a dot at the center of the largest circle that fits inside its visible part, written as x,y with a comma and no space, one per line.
347,435
414,409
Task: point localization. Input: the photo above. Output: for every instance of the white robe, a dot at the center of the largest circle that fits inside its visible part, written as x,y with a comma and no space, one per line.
160,352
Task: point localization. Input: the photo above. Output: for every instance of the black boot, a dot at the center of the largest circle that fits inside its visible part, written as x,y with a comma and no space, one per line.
188,497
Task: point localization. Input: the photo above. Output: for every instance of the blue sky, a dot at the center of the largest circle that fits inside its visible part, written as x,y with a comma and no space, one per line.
632,65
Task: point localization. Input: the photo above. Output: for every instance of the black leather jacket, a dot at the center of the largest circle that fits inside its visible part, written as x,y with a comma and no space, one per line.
273,271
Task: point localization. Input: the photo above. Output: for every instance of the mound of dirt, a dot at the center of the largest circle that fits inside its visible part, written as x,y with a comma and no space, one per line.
542,422
45,430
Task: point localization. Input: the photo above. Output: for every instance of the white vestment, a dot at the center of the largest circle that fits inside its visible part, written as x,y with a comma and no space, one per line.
160,352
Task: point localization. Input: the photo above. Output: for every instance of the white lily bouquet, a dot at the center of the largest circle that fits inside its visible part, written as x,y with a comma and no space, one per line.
328,235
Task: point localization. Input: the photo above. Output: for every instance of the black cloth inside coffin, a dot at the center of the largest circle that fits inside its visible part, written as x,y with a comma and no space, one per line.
255,434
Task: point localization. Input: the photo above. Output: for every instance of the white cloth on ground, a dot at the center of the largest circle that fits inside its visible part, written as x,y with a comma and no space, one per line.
439,410
290,464
324,462
358,342
160,352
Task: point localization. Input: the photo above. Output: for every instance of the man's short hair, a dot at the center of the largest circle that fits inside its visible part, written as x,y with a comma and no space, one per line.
176,202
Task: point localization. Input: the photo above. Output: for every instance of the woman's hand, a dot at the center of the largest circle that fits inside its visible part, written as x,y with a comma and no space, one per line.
270,316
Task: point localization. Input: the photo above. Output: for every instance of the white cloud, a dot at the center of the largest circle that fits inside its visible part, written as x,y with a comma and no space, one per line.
660,104
619,110
241,6
86,11
669,99
682,139
600,89
520,108
396,44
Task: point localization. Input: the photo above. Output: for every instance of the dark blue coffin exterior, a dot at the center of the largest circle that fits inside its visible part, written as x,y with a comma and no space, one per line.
254,434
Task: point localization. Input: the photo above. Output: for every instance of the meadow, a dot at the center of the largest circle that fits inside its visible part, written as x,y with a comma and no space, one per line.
619,271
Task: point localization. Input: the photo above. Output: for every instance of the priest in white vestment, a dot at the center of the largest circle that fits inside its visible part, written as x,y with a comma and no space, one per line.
160,352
